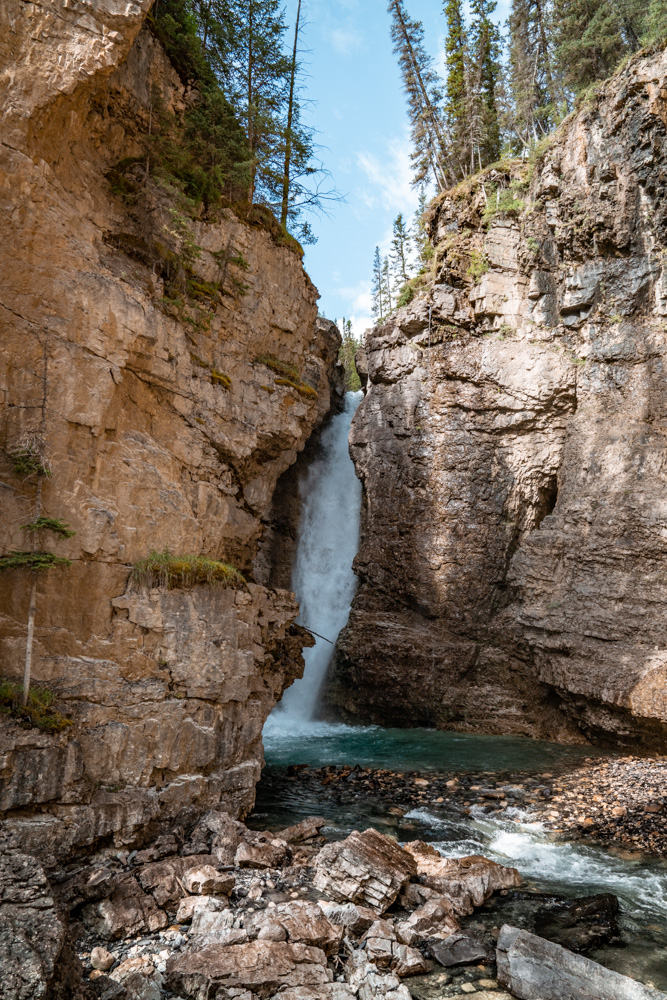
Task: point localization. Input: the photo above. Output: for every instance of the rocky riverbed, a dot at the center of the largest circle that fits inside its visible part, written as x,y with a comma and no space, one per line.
230,912
619,801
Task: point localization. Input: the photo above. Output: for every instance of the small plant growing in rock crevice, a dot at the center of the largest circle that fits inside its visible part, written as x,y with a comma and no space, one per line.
163,569
37,709
289,375
479,264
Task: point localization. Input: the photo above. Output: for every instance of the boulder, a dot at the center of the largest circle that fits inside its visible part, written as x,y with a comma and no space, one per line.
370,983
466,882
164,879
303,922
260,966
127,911
140,978
364,868
304,830
268,855
32,932
459,949
379,942
223,833
102,959
435,919
352,918
533,968
207,881
212,926
407,961
189,905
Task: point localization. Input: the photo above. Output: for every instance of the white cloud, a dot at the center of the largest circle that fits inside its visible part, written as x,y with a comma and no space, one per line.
390,179
345,41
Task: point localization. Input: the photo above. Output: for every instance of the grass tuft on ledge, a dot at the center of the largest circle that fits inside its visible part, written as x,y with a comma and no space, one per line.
289,375
40,710
162,569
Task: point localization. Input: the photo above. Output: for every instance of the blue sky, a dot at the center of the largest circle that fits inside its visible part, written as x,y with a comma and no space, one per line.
360,115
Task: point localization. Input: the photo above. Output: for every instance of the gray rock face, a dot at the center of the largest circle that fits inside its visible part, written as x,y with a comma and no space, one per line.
513,452
32,932
535,969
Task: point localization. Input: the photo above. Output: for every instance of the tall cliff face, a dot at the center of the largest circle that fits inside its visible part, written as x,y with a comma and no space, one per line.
512,449
162,430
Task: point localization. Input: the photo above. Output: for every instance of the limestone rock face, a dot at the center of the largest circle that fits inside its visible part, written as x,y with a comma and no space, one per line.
160,433
512,449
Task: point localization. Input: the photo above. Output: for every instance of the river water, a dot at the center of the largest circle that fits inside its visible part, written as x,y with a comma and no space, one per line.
325,585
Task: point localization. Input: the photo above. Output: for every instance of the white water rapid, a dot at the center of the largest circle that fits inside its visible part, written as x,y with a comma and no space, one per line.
322,576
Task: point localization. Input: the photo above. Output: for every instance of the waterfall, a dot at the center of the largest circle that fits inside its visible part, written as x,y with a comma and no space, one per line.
327,543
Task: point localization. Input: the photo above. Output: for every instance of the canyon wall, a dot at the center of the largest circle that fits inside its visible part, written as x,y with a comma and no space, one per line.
165,426
512,448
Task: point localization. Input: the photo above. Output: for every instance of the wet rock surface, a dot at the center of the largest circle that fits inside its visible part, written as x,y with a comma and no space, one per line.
622,801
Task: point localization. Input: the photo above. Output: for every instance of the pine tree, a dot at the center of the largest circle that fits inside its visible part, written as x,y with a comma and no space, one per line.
400,251
656,22
387,284
455,88
593,35
347,355
377,287
420,238
256,81
533,81
483,73
430,153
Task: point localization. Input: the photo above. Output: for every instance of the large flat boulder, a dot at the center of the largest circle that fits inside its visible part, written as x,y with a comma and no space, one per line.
466,882
366,868
533,968
260,966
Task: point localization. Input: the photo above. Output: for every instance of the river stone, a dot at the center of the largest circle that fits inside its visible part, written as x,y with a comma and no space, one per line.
533,968
260,966
370,983
261,856
458,949
304,830
207,881
101,959
364,868
466,882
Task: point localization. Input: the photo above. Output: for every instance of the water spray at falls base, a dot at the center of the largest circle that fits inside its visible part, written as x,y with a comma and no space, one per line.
327,543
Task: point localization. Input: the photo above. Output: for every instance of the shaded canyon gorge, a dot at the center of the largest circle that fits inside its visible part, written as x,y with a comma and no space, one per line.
174,461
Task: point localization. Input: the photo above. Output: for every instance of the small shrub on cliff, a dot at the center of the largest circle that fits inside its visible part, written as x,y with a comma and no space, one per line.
289,375
162,569
479,264
39,709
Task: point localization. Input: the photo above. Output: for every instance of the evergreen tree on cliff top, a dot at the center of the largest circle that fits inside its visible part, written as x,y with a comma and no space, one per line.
422,86
483,74
455,88
534,87
593,35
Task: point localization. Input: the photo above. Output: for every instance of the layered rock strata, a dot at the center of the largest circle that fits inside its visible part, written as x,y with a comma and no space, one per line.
164,426
512,449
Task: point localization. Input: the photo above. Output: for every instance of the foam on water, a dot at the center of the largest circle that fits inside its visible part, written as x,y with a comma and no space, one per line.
552,865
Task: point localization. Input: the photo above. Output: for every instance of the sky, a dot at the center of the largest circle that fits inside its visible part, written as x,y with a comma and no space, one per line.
359,112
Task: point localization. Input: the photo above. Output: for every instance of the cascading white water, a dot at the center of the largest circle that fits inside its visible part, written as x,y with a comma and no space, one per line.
327,543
